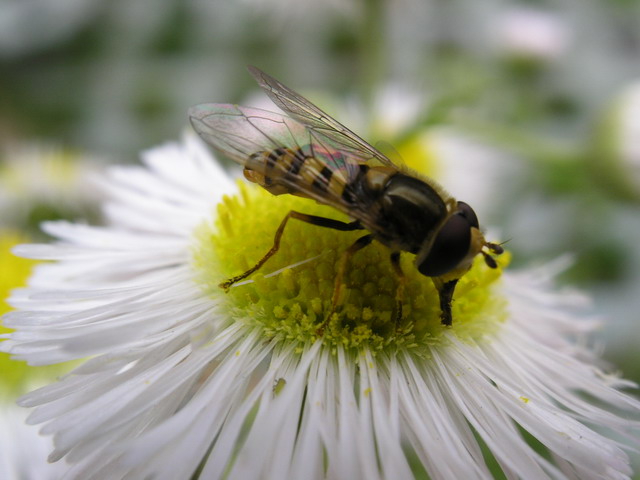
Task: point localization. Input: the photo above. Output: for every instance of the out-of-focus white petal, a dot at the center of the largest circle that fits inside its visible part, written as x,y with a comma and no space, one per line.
23,450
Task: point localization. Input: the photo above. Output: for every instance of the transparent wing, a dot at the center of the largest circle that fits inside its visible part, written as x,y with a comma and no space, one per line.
316,120
241,132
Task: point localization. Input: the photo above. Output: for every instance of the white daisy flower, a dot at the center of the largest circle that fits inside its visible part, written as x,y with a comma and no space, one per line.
630,133
532,33
38,180
616,159
184,381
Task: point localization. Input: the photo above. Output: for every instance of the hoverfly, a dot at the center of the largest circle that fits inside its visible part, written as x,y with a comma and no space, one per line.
309,154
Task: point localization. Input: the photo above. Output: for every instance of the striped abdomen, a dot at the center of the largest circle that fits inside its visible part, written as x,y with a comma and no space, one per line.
307,169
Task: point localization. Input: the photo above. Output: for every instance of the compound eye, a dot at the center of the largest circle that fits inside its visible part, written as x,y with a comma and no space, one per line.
467,212
450,246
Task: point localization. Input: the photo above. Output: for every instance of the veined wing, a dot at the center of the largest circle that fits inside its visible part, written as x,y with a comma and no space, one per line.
316,120
242,133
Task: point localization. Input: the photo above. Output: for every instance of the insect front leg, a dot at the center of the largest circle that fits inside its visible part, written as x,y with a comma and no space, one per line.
312,219
445,291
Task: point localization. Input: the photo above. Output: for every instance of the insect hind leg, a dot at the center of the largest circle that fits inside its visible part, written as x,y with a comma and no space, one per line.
312,219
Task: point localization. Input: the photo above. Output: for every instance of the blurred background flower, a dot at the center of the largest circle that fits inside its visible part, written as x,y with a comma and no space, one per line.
527,109
42,182
23,451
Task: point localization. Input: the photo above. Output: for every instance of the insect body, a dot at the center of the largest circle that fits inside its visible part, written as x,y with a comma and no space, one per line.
309,154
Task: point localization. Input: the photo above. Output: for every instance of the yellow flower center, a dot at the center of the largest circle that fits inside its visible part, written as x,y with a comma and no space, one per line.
290,296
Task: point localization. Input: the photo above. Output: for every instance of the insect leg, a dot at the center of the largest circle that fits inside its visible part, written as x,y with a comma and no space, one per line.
445,291
359,244
312,219
402,280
